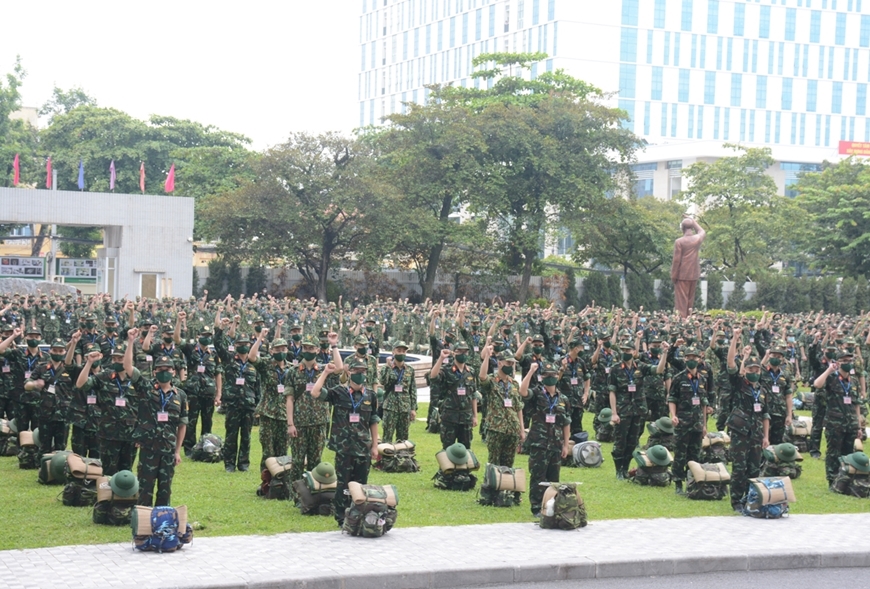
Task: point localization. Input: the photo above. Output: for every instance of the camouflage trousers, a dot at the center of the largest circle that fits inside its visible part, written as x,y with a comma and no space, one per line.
576,414
348,468
116,455
776,430
85,442
398,423
544,466
26,416
724,401
502,447
656,407
52,436
839,440
273,438
155,467
237,442
456,432
307,449
746,453
626,436
687,447
199,407
7,408
820,407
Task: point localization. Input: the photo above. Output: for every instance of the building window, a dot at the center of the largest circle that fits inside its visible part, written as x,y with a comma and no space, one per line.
453,31
840,31
643,173
551,10
712,16
691,120
657,83
646,117
815,26
865,31
627,79
790,23
521,13
861,100
684,86
629,12
667,48
492,20
686,21
837,98
478,24
659,14
761,92
649,46
787,84
628,107
812,94
739,19
736,89
628,45
793,172
764,23
536,11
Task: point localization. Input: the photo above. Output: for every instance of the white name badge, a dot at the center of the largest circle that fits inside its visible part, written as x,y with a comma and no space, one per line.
607,370
399,388
162,416
309,387
53,317
354,417
586,347
696,400
120,402
66,321
550,418
202,319
92,399
51,389
752,340
280,388
756,407
6,369
774,388
460,391
852,371
200,368
847,400
476,348
632,388
231,348
27,374
574,380
296,362
240,381
149,358
540,378
508,403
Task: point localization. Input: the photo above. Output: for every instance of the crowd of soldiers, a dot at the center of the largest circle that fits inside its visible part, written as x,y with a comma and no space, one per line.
148,375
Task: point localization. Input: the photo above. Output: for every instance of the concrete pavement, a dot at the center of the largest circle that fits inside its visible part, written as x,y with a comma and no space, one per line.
435,557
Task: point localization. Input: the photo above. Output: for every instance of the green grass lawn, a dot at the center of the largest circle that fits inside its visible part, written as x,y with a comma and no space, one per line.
226,504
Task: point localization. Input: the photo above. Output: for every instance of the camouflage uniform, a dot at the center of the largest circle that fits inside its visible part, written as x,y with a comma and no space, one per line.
240,396
653,387
818,363
400,398
778,385
118,400
84,416
310,417
158,440
457,389
54,407
575,373
27,402
717,357
624,381
274,381
350,440
689,395
748,411
48,321
7,402
203,370
503,421
600,372
841,421
549,416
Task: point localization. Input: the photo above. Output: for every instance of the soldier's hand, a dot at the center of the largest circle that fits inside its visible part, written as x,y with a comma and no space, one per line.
332,338
131,334
205,292
564,451
474,420
280,323
675,420
182,315
76,336
413,414
747,350
374,451
528,340
533,368
16,332
736,332
94,356
330,368
263,333
177,458
615,419
292,431
445,353
153,329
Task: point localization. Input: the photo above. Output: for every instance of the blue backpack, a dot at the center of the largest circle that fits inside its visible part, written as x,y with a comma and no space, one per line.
161,529
768,498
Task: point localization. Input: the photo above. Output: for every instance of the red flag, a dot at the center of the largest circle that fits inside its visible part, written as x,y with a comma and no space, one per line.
170,180
48,173
16,171
142,177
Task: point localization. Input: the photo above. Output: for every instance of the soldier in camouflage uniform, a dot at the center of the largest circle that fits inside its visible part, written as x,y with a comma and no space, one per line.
574,382
142,358
778,385
52,380
203,384
169,335
400,394
717,357
307,418
294,346
601,361
89,332
23,364
109,339
628,405
525,360
504,421
240,395
655,386
843,414
47,319
687,406
457,386
162,419
84,412
549,432
274,380
354,437
7,403
117,390
748,421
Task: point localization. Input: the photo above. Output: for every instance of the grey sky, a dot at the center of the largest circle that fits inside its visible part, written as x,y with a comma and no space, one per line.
263,68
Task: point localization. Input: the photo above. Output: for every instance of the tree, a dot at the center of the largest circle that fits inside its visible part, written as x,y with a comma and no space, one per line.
551,148
62,102
235,284
432,155
749,227
848,296
641,291
215,284
635,235
16,136
698,303
255,281
595,290
315,201
714,291
572,297
614,287
837,201
666,295
737,299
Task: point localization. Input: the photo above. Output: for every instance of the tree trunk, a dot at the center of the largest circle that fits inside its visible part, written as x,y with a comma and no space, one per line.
529,258
323,274
428,284
36,244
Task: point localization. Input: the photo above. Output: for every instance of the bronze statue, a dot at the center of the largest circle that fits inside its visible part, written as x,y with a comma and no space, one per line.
686,267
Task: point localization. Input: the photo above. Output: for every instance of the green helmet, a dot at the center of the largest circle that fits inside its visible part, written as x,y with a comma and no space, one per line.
785,452
324,473
605,416
57,464
457,453
665,425
859,460
36,437
124,484
658,455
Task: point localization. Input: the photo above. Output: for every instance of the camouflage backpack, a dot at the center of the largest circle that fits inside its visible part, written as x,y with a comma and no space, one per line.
372,512
79,493
652,467
707,482
850,480
8,438
604,432
798,433
669,441
28,457
782,460
399,457
502,486
563,508
714,448
275,483
460,480
768,498
207,449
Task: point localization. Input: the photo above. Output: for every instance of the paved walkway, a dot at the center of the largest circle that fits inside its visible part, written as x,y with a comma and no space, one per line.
423,558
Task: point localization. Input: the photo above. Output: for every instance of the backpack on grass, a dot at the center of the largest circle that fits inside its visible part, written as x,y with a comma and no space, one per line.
563,507
207,449
707,482
502,486
768,498
160,529
372,512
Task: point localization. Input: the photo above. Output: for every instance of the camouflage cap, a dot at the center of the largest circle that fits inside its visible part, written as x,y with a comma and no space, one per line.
360,340
691,351
369,319
89,317
206,330
626,345
778,348
845,354
354,363
538,338
145,322
58,343
167,328
603,334
119,349
278,342
460,345
752,360
549,368
400,344
310,341
720,333
33,331
164,362
296,326
110,319
91,348
506,356
575,343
